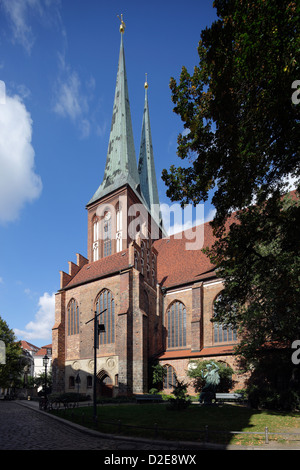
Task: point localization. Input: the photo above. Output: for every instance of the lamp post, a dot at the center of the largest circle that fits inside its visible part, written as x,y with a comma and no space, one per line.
45,363
98,327
78,381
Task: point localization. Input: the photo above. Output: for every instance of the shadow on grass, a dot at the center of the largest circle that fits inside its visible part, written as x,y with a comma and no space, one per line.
198,423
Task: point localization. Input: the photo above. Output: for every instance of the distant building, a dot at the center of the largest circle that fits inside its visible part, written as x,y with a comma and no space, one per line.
35,356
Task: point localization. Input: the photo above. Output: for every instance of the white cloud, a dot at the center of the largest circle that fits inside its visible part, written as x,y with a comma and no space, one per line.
16,11
19,183
20,14
41,326
70,99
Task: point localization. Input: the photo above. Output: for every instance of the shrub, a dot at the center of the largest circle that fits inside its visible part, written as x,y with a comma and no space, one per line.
271,399
181,400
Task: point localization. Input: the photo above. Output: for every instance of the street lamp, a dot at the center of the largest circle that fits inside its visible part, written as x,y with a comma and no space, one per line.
45,363
98,328
78,381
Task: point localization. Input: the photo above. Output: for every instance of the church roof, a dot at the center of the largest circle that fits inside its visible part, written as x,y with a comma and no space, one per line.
121,164
177,265
188,353
101,268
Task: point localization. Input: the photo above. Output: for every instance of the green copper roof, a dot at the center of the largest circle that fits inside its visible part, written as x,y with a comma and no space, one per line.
121,164
146,165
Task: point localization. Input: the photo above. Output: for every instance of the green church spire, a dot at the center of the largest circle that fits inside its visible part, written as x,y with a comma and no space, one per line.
146,165
121,164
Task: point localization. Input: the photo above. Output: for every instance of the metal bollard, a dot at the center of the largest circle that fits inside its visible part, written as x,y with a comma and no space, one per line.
266,435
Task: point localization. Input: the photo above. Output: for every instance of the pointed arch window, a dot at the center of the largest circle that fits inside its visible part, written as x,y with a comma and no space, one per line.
107,234
176,325
95,240
170,377
223,333
73,317
119,228
105,303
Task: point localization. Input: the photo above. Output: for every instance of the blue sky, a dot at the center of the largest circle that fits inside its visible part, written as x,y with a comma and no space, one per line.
58,63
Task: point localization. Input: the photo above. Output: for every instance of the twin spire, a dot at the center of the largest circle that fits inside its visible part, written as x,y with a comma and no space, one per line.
121,164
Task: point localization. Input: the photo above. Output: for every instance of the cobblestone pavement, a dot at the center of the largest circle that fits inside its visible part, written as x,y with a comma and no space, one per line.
24,428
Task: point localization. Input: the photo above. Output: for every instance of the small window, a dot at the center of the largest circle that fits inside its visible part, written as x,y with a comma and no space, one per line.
170,377
71,382
89,381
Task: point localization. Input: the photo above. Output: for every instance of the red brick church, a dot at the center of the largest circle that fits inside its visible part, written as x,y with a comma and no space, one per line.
157,296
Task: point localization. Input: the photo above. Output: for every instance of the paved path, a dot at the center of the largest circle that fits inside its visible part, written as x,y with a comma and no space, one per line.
24,428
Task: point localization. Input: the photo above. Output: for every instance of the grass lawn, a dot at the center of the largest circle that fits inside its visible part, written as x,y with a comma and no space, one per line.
127,419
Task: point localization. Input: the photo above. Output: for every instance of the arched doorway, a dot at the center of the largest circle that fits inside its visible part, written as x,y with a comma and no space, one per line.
104,384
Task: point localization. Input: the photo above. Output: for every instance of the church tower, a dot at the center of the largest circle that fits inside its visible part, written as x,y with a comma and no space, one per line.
126,205
119,276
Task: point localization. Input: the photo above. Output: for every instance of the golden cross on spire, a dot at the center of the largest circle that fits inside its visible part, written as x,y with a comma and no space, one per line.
146,82
122,25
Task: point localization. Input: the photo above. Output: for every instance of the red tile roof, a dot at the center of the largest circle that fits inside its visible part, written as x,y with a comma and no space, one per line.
187,353
28,346
43,351
102,267
180,259
177,263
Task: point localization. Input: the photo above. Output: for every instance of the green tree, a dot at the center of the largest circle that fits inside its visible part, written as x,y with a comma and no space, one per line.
181,399
241,140
260,263
241,126
10,372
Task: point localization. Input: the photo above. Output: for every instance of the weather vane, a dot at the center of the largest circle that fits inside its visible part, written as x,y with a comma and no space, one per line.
122,25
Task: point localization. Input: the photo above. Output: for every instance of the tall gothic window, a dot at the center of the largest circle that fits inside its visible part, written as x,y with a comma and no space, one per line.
105,303
73,317
96,240
119,229
223,333
176,325
107,234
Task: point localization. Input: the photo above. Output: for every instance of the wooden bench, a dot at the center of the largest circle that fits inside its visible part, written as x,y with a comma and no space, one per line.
148,398
229,397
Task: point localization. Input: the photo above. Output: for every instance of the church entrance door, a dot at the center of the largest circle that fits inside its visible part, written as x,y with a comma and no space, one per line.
104,385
